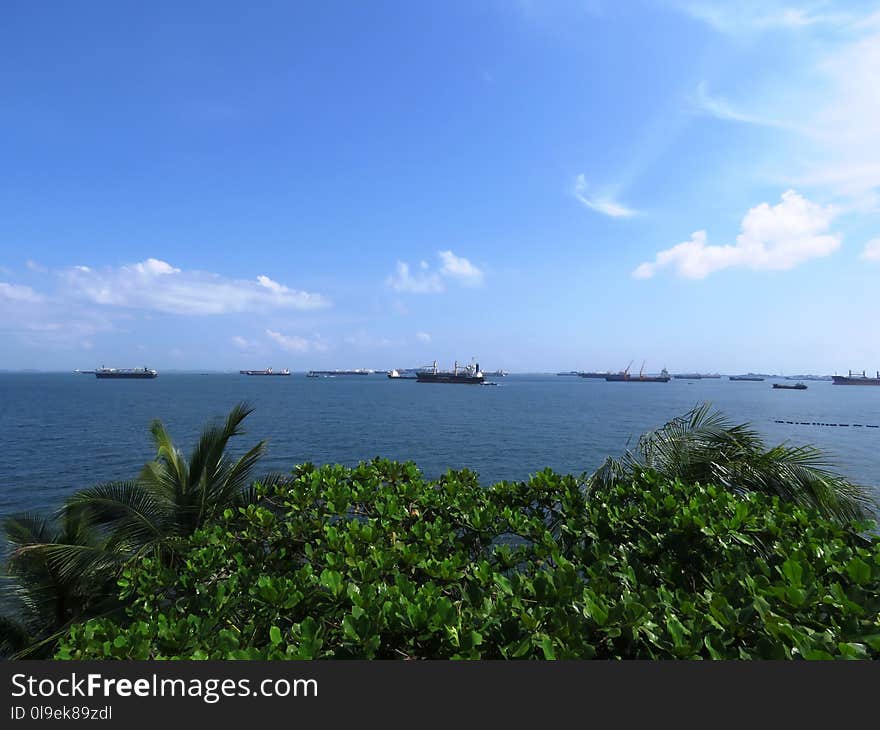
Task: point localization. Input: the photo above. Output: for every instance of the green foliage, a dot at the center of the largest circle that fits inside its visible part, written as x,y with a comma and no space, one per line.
377,562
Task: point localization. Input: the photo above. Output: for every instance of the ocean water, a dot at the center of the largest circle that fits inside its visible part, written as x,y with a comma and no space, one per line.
62,432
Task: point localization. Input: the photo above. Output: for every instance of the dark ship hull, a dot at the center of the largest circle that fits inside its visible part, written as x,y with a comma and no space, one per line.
744,377
780,386
449,378
855,379
469,375
637,379
126,374
263,372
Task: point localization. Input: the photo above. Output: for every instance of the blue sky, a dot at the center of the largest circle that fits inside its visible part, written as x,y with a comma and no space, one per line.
539,184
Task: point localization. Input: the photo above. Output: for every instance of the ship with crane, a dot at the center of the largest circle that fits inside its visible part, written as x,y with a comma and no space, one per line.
624,376
465,375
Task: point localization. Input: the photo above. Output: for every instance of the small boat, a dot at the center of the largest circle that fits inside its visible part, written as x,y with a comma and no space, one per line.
783,386
396,375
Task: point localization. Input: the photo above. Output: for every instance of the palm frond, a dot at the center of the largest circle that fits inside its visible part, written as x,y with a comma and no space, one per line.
704,446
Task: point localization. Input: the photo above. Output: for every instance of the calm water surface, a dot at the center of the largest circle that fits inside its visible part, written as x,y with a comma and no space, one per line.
62,432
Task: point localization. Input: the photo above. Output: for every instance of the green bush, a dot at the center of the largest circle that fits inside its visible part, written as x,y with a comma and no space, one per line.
378,562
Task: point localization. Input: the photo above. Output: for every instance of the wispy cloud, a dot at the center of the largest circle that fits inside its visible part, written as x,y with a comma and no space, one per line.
243,343
295,343
403,280
601,202
828,98
156,285
426,280
423,336
363,340
36,267
720,108
18,293
741,17
872,250
778,237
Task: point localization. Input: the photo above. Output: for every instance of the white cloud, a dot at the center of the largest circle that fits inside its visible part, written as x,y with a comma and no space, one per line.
34,266
241,343
404,281
426,281
291,343
423,336
18,293
156,285
601,203
779,237
460,269
872,250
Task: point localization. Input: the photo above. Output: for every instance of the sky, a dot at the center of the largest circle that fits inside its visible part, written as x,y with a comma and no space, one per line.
541,185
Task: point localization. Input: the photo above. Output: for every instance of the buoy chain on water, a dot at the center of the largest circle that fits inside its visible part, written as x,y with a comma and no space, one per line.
838,425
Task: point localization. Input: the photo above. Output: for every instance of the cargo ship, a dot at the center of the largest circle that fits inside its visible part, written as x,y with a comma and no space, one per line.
496,374
688,376
746,377
783,386
624,376
467,375
856,379
125,373
267,371
597,375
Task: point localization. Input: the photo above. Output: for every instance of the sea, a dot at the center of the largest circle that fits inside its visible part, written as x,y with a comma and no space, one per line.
64,431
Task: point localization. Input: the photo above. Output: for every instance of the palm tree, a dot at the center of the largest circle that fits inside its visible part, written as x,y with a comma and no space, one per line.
173,496
65,569
58,571
703,446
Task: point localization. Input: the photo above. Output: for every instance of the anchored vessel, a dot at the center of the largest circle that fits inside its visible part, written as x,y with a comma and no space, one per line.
496,374
796,386
688,376
467,375
594,374
624,376
334,373
746,377
400,375
127,373
267,371
856,379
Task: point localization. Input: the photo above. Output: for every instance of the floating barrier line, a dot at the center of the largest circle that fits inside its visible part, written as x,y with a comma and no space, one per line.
817,423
